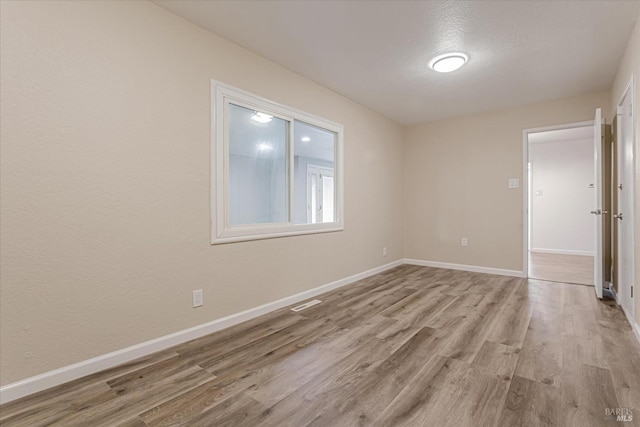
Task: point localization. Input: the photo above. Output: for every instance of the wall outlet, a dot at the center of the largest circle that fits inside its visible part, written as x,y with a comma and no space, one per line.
384,251
464,242
198,298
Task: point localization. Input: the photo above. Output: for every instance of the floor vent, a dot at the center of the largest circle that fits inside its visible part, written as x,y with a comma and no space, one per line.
306,305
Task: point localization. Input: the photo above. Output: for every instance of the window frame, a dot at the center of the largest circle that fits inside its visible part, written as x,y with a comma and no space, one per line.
221,232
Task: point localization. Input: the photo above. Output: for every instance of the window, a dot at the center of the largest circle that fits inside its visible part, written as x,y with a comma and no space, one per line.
276,171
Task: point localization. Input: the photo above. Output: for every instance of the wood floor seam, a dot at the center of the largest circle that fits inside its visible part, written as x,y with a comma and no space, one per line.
412,346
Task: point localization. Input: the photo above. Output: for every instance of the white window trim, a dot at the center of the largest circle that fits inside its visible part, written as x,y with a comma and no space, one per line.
221,232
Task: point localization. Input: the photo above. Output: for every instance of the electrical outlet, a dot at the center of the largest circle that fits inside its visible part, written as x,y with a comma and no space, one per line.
464,242
384,251
198,298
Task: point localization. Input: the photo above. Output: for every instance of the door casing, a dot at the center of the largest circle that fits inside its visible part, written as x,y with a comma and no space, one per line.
525,184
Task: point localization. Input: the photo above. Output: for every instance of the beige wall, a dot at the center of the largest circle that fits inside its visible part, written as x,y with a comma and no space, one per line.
105,183
455,182
104,208
630,65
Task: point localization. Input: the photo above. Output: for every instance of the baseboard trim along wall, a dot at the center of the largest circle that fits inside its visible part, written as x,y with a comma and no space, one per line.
72,372
562,251
473,268
634,325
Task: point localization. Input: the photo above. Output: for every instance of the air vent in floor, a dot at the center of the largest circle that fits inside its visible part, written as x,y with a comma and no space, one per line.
306,305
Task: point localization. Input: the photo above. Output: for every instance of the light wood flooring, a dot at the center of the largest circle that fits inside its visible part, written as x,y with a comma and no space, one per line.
414,346
561,268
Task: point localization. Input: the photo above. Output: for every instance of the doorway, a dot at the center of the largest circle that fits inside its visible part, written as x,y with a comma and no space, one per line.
560,194
320,194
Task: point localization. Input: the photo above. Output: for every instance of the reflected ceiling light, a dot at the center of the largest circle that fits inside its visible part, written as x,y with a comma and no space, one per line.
305,139
449,62
261,117
264,146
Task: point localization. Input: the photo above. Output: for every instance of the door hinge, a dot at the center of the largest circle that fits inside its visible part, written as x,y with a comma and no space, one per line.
632,292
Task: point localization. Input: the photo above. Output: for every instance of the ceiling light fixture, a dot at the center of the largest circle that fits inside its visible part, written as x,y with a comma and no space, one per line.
449,62
263,146
305,139
261,117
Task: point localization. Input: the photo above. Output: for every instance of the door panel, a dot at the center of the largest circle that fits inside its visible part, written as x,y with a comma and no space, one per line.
615,273
606,205
624,214
597,170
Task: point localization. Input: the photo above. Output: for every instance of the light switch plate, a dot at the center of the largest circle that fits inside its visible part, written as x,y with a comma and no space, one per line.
514,182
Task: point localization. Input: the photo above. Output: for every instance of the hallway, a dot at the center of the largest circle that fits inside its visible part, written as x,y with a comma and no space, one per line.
576,269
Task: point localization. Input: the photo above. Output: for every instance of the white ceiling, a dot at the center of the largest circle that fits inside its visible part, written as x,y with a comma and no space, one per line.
583,132
377,52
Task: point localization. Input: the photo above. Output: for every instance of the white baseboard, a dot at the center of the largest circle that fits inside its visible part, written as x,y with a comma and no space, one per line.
72,372
636,330
562,251
634,326
473,268
615,294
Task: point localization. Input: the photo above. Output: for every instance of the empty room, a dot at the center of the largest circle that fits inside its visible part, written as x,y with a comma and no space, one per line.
319,213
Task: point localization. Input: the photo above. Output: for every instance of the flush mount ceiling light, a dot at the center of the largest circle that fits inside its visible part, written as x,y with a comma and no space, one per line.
261,117
305,139
263,146
449,62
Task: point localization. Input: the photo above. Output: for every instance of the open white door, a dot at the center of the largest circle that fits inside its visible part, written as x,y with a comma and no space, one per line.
597,170
624,216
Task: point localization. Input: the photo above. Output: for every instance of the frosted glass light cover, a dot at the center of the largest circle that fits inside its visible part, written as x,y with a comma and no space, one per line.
449,62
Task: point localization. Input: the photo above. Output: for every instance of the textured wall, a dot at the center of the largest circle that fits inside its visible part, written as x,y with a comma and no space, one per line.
455,182
104,175
105,134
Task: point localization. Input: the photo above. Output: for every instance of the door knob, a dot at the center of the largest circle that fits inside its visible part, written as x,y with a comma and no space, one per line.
618,216
596,212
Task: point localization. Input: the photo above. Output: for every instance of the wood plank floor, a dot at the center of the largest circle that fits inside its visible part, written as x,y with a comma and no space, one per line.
561,268
413,346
